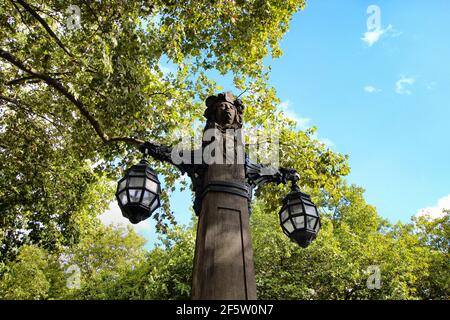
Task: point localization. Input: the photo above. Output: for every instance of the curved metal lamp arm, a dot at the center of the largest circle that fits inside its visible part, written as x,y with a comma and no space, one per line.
156,151
164,153
194,170
258,174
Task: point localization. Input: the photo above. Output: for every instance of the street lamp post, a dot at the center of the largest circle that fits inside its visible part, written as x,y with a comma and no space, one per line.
223,181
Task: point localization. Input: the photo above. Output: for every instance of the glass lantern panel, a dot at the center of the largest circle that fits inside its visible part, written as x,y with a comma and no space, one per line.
151,185
297,208
310,222
288,226
122,184
136,182
317,227
311,210
135,195
284,215
137,173
299,222
155,205
123,198
148,198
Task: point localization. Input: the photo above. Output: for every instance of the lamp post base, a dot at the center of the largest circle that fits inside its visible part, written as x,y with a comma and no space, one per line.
223,263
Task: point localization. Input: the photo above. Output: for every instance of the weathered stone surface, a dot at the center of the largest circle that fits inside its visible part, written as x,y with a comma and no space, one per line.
223,263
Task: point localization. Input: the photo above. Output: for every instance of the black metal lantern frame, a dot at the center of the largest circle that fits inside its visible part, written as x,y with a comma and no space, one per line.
138,193
299,217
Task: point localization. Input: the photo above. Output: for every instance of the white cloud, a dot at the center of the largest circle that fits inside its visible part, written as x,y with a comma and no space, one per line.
284,105
371,89
431,85
327,142
437,210
302,123
371,37
401,86
114,216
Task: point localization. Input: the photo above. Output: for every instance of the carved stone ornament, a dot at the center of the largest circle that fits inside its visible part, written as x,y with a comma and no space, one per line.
224,111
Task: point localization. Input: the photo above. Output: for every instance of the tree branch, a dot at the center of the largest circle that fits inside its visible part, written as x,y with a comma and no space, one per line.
159,93
31,11
23,79
125,139
65,92
32,79
21,16
90,9
50,14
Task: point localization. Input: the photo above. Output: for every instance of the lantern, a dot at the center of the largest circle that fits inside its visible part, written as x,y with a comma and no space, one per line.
299,217
138,192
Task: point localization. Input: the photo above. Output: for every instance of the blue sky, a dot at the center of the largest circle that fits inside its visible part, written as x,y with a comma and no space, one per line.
385,103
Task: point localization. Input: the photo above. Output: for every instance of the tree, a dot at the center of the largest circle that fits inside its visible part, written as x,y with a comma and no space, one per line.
76,98
165,273
342,262
354,246
34,275
435,234
104,253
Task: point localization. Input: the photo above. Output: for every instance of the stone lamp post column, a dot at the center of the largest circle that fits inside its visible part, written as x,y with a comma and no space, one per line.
223,263
223,178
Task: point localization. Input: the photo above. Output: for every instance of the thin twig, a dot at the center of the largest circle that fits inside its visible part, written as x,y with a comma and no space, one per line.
21,105
21,16
44,24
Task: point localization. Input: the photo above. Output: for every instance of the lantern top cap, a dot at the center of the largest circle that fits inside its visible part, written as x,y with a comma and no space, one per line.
296,194
141,167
